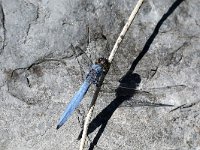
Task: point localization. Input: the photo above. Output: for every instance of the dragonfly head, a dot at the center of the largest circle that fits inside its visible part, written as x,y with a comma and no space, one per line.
104,63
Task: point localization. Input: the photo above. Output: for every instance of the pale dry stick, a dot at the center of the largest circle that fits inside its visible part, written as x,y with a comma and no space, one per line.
124,30
89,115
119,40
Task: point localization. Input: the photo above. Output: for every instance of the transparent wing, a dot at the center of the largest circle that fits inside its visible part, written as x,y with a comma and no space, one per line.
73,104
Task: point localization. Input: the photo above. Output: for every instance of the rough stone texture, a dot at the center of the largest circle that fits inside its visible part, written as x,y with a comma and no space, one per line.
47,46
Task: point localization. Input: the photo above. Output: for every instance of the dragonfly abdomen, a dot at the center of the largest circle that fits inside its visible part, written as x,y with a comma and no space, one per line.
92,78
74,103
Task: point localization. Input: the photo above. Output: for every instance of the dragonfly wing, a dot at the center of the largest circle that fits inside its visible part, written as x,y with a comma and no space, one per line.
73,104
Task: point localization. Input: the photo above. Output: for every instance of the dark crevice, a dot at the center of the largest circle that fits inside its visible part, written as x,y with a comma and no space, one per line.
45,60
13,73
37,14
27,32
33,21
104,37
4,28
28,82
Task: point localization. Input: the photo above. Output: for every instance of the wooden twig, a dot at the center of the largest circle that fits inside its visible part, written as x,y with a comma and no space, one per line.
89,114
124,30
119,40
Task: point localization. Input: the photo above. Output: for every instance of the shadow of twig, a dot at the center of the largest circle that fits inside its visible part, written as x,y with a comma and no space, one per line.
154,34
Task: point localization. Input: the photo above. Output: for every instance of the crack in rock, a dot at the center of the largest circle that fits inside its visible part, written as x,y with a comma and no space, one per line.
33,21
19,81
2,18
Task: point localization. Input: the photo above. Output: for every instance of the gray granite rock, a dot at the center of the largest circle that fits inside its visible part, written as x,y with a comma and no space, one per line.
47,47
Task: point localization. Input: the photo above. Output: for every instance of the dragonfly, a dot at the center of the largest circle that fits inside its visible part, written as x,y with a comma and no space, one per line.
100,66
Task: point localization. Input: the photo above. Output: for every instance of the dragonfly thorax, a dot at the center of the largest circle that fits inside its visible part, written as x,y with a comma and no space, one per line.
94,74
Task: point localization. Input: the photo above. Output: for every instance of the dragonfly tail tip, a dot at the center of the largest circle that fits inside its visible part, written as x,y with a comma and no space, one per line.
58,126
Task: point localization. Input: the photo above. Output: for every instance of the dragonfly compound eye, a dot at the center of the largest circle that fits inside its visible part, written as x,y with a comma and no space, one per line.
104,63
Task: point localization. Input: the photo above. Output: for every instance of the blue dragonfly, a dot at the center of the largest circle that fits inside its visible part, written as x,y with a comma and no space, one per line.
92,77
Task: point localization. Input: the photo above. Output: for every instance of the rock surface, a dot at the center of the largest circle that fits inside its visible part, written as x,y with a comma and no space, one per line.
47,46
